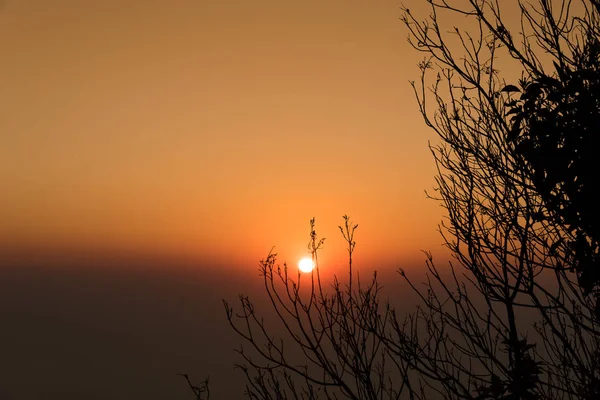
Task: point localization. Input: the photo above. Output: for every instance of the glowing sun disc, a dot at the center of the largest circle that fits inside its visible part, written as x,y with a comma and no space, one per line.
306,265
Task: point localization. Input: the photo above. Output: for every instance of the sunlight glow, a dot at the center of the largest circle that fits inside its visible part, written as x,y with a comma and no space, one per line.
306,265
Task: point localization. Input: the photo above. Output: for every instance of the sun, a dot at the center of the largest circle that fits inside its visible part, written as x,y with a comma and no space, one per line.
306,265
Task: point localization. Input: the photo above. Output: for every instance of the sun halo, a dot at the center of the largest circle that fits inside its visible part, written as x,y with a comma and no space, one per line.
306,265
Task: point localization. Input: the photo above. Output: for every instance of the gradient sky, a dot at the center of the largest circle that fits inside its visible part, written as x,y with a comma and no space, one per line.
210,130
137,137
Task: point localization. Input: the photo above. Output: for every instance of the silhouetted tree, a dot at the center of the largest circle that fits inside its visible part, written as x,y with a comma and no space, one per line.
322,341
511,317
512,321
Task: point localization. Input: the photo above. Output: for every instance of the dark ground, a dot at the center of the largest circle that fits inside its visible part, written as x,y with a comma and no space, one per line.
91,334
96,333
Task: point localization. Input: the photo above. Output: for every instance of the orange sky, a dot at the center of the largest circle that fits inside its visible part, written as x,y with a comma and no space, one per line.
211,129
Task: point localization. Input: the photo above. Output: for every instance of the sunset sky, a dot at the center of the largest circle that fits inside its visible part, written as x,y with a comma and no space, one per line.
200,133
210,130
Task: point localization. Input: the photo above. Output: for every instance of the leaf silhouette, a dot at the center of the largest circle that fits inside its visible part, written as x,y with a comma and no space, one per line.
510,88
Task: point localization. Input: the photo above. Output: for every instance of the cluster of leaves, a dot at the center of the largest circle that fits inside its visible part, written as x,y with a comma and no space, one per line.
555,129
